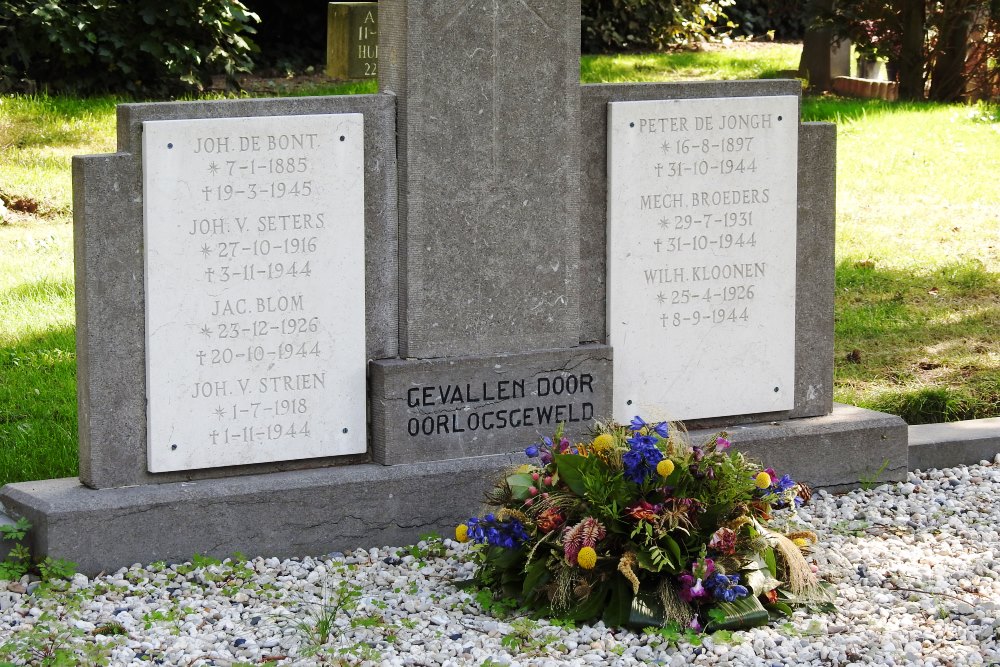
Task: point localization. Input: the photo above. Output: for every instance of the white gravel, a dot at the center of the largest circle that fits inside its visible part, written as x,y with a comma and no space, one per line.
915,567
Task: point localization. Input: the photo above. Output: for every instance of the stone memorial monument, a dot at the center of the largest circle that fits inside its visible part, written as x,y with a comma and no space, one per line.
318,323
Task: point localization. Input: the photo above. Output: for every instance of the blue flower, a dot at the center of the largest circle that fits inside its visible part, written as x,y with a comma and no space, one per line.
641,440
637,423
640,460
725,587
531,452
783,484
661,429
508,534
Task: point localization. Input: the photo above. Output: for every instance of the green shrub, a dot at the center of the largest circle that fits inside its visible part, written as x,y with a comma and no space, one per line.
631,25
142,47
783,19
284,44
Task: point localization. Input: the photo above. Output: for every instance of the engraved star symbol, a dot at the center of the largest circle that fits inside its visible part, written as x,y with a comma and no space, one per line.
665,147
206,250
664,223
661,297
220,412
213,168
206,332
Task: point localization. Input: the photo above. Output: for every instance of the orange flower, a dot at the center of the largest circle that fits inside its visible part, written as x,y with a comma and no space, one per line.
549,519
643,511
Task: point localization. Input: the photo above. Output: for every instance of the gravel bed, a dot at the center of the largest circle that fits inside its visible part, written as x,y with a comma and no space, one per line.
915,568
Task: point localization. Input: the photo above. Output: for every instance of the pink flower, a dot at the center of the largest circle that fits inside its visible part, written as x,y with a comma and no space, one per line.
722,443
691,588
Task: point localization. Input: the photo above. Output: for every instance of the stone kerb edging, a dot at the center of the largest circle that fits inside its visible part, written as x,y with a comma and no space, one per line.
851,86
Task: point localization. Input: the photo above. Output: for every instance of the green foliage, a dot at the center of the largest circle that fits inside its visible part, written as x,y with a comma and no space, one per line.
500,608
19,561
140,47
15,531
779,19
50,643
869,481
431,545
321,620
672,635
52,569
629,25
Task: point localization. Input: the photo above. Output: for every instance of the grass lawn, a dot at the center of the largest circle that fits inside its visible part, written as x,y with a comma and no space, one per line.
918,249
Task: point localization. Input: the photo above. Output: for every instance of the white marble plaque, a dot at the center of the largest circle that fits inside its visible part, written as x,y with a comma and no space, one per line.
701,256
255,289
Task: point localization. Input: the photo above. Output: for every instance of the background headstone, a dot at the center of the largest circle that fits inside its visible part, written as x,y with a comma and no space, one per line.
352,40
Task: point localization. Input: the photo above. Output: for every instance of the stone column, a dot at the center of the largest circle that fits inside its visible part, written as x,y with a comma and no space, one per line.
488,100
488,103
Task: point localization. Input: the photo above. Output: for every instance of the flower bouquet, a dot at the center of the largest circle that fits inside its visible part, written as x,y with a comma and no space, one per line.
638,527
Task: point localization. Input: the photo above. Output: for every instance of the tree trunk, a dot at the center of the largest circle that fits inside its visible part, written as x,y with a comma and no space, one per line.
814,63
948,76
911,55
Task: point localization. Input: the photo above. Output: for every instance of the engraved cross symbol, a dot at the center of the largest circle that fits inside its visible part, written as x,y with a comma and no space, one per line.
494,57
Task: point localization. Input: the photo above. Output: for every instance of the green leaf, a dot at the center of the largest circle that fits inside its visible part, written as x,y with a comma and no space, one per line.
503,559
519,484
536,575
646,610
646,560
772,565
618,610
572,469
673,548
780,607
739,615
590,607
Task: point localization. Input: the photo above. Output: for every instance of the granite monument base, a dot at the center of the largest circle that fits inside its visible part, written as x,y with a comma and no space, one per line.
302,512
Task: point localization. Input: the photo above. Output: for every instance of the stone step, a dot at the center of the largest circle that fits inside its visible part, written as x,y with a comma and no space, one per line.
955,443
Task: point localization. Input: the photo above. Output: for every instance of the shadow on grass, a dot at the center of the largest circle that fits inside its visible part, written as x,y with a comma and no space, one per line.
38,411
924,344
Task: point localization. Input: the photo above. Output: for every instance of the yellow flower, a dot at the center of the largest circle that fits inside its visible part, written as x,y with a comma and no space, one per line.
603,441
763,480
664,468
801,542
462,532
587,558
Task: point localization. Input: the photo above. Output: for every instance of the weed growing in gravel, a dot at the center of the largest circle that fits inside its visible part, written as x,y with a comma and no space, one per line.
671,635
853,528
430,546
169,615
19,561
869,482
527,637
501,608
52,642
321,621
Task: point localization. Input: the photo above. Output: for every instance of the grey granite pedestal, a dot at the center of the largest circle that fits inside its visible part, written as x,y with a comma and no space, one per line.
301,512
